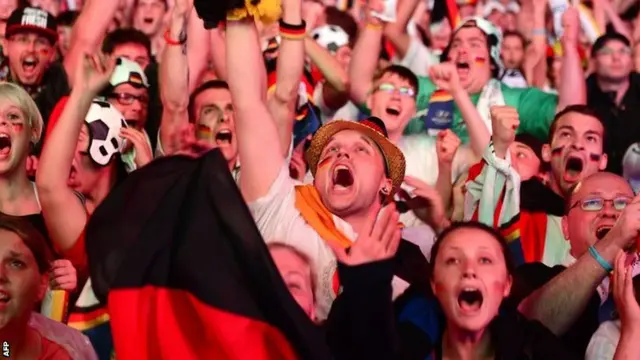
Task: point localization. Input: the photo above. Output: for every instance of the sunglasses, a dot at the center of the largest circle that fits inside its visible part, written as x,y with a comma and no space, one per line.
597,203
391,89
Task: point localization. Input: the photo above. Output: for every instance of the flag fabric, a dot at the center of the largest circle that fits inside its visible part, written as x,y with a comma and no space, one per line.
176,255
439,115
445,9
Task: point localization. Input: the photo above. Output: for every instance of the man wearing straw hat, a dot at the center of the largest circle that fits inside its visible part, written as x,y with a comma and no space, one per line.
356,170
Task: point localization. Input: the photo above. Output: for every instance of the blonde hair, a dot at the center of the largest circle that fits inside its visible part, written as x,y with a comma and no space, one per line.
24,102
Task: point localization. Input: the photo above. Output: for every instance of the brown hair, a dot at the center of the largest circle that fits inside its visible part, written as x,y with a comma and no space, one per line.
31,238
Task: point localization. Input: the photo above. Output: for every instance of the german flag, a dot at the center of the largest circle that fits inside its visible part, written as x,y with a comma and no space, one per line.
445,9
175,254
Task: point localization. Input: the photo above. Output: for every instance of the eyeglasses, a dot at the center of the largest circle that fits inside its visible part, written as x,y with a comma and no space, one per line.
597,203
390,89
128,99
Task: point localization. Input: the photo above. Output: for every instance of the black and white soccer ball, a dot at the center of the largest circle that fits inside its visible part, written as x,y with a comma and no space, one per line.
104,122
330,37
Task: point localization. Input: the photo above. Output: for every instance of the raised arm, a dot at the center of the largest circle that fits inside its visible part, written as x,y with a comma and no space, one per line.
364,59
218,55
396,31
560,302
174,77
289,67
88,32
64,213
572,87
258,140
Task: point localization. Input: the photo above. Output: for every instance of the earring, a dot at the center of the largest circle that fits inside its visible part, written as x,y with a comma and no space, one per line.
385,191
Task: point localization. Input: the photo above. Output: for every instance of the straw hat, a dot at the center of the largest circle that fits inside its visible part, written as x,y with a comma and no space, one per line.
372,128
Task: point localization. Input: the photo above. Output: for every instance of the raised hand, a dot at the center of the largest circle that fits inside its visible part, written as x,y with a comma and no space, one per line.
426,203
144,154
447,143
94,73
627,228
378,240
623,294
182,8
63,275
445,77
571,26
372,6
504,122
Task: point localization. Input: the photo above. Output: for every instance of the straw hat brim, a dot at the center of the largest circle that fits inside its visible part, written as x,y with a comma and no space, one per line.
392,154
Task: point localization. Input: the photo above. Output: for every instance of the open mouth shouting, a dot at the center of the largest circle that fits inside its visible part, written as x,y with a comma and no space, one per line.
602,231
5,297
341,178
393,110
29,64
147,20
470,300
224,137
573,169
463,69
5,145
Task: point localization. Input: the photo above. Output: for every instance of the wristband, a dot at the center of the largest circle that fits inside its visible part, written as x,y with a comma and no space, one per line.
170,41
293,32
596,255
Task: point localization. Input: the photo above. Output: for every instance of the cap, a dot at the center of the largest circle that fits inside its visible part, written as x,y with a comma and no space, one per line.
532,142
604,39
128,72
33,20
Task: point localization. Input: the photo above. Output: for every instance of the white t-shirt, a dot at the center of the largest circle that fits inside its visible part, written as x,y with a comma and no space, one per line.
604,341
419,58
279,220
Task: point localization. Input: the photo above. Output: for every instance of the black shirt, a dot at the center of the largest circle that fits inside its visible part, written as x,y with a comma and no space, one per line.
621,123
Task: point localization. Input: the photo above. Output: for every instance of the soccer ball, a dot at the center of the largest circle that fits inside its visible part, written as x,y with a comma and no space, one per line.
330,37
104,122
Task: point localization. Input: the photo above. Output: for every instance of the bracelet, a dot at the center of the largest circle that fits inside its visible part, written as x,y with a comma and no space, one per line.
170,41
596,255
293,32
373,26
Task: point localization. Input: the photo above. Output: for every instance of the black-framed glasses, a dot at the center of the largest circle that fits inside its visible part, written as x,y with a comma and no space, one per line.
597,203
128,99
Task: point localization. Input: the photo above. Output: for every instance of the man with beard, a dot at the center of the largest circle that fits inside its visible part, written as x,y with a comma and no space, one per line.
571,299
355,167
613,91
529,212
474,52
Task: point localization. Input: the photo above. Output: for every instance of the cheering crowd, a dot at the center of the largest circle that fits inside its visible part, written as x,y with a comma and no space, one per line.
320,179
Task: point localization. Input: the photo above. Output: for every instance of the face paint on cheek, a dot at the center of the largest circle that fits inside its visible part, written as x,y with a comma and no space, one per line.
44,52
324,162
203,132
17,127
557,151
479,60
595,157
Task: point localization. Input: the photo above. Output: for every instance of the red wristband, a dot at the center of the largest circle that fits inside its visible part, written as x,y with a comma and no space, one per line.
170,41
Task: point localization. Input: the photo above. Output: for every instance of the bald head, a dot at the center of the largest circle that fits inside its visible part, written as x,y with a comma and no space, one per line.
598,182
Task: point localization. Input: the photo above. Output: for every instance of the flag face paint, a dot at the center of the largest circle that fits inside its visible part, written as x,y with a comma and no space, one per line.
204,132
479,60
17,127
595,157
324,162
557,151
